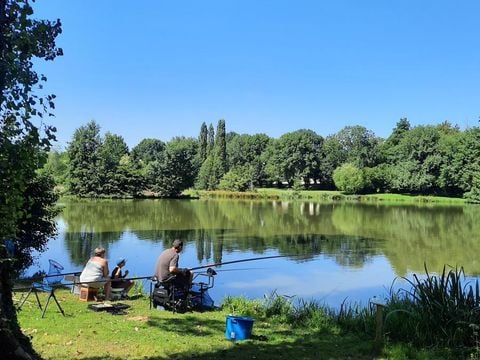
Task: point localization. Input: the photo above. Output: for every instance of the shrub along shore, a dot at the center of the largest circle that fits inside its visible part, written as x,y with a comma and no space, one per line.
322,195
283,328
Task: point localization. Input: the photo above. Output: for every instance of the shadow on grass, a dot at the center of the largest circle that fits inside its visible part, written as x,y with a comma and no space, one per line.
263,344
312,346
189,325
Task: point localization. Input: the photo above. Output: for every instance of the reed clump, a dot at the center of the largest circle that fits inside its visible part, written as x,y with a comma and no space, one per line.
438,310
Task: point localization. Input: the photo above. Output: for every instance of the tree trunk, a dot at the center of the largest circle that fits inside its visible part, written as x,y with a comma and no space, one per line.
14,344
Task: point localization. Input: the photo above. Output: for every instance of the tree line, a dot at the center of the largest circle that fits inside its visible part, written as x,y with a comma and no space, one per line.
428,159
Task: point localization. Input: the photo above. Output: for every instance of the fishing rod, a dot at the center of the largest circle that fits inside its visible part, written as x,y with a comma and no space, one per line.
112,280
62,274
153,277
84,282
238,261
240,269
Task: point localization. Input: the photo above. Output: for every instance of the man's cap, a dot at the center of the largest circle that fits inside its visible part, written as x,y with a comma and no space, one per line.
121,260
177,243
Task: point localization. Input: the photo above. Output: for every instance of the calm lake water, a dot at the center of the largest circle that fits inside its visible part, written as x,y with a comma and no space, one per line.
335,251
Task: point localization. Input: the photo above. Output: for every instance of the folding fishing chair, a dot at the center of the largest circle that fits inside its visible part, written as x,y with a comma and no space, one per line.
50,282
169,295
178,298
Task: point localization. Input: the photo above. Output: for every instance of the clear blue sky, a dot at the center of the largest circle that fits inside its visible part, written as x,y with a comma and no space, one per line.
154,68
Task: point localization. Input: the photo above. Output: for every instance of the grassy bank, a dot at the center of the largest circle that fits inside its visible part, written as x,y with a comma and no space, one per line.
141,333
329,196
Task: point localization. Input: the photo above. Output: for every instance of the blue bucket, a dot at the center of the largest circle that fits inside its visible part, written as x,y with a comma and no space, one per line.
238,328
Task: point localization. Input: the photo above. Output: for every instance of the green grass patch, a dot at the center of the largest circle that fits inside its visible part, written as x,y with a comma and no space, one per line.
281,330
324,195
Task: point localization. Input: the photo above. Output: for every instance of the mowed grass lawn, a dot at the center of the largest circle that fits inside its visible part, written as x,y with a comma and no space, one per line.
152,334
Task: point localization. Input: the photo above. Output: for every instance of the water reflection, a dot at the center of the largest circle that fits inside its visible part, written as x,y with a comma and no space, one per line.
344,250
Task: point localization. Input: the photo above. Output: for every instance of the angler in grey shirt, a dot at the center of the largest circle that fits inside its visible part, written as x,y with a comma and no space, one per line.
167,265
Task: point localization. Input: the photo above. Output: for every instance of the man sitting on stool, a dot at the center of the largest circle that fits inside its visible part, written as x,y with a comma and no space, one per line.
167,265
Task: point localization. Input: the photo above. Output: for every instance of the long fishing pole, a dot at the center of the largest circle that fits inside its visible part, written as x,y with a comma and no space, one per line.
62,274
240,269
238,261
152,277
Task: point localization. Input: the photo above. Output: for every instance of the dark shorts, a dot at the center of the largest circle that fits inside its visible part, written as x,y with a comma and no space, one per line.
120,284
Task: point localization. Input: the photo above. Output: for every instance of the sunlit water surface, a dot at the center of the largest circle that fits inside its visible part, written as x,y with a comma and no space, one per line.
333,252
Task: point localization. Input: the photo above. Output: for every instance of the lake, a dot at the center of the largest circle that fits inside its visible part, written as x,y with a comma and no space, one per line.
334,251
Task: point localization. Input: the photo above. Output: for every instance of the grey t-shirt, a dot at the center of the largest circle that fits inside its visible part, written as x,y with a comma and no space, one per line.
166,259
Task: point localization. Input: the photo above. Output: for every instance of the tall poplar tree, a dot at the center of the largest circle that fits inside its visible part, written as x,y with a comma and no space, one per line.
203,142
220,151
211,139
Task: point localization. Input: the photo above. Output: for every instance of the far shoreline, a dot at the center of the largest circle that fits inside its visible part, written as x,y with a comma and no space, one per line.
273,194
325,195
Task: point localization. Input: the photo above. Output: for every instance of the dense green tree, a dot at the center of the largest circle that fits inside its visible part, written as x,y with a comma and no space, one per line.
130,180
360,145
244,149
37,223
230,136
474,194
462,153
378,179
206,179
144,155
26,199
272,158
177,168
113,148
203,142
57,166
332,156
83,153
388,149
418,160
295,155
402,127
452,166
146,151
110,152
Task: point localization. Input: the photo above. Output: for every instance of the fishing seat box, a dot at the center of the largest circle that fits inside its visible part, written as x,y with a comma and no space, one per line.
88,293
160,296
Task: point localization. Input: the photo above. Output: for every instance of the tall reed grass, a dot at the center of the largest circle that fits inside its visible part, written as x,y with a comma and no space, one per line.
438,310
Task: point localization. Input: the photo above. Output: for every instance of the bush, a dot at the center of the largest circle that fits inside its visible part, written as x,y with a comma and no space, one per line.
349,178
237,179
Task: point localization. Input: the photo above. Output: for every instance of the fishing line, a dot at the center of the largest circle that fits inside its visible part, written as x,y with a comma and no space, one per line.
239,261
242,269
